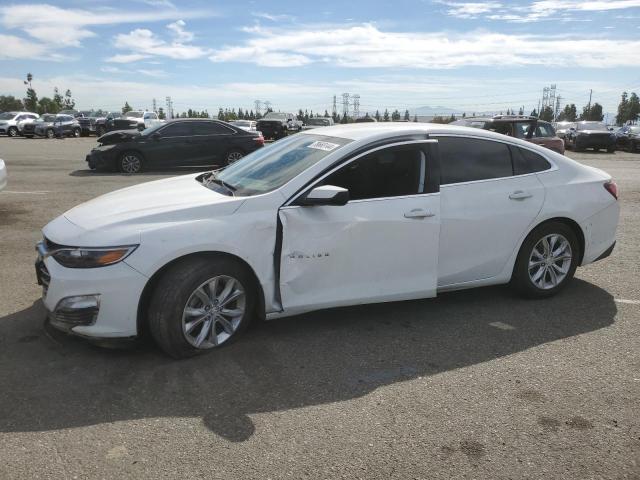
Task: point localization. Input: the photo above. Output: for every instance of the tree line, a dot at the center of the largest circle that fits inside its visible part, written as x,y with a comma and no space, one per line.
32,103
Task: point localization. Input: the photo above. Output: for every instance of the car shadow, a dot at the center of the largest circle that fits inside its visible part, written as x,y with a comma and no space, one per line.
331,356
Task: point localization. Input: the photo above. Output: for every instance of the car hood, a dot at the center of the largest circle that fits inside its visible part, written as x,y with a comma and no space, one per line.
594,132
118,136
121,216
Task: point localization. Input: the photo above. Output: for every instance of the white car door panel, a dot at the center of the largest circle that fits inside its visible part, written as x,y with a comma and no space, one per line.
482,223
366,251
381,246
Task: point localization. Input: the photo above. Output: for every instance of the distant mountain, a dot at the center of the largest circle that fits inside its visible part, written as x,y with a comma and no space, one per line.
438,110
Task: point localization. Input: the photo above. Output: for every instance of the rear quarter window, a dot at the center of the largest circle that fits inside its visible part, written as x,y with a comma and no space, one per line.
525,161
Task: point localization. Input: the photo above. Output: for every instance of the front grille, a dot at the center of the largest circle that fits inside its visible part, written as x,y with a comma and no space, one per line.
85,316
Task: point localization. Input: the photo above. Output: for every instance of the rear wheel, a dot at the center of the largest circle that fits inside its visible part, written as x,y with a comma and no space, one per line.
611,149
233,156
130,162
12,132
547,261
76,132
100,130
50,133
29,136
201,304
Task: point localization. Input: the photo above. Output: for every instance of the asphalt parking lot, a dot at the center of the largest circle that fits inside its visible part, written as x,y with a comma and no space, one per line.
473,384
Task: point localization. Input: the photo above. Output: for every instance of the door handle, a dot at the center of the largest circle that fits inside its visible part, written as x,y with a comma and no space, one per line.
520,195
418,213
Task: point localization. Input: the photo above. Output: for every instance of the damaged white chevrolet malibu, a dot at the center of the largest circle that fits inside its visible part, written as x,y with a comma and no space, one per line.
337,216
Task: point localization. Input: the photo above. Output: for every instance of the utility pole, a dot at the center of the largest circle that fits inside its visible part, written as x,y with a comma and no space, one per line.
589,104
169,108
335,107
345,104
557,108
258,105
356,106
155,110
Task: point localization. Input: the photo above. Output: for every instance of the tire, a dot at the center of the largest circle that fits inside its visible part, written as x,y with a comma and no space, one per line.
611,149
233,156
50,133
130,162
29,136
633,147
100,131
12,132
175,292
76,132
524,277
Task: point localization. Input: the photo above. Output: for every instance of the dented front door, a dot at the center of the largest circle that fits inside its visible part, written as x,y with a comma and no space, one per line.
366,251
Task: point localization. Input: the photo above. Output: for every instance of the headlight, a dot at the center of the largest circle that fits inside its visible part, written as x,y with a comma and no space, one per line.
91,257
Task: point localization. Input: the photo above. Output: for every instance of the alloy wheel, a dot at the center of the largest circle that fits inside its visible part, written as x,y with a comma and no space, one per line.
131,163
233,157
213,312
550,261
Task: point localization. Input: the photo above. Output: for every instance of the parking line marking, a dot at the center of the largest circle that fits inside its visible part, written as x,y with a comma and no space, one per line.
502,326
624,300
26,193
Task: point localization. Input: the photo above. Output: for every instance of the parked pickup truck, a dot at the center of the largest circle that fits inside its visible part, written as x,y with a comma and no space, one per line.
136,120
277,125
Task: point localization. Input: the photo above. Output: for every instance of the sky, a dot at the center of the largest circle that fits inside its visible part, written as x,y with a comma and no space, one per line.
452,55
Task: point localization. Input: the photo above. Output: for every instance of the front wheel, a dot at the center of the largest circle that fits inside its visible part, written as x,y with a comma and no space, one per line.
50,133
131,162
76,132
547,261
100,131
200,304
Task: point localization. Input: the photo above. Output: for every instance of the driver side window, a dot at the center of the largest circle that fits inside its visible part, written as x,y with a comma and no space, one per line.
392,172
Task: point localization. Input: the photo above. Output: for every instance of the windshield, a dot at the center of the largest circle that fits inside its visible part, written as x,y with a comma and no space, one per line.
47,118
134,114
153,128
318,121
7,116
275,116
271,167
592,126
241,123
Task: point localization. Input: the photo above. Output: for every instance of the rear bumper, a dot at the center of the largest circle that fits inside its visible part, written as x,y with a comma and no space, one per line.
600,233
588,141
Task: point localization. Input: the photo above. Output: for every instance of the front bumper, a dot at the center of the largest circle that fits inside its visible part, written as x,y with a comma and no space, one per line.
116,288
101,157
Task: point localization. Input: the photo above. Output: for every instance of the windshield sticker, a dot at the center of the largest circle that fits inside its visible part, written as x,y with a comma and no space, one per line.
326,146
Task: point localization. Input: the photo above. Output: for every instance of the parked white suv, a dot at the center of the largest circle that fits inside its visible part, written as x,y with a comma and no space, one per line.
336,216
9,122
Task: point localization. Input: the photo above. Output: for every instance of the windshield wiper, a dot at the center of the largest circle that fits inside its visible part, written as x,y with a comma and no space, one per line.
214,179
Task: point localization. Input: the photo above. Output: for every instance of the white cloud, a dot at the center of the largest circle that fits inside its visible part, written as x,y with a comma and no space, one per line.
59,28
143,43
179,33
534,11
132,57
365,45
152,73
470,9
274,17
16,47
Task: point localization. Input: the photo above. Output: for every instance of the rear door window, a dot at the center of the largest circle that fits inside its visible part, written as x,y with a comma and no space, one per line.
471,159
210,128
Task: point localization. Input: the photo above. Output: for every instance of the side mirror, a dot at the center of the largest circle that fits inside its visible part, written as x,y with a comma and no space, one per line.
572,129
326,195
156,136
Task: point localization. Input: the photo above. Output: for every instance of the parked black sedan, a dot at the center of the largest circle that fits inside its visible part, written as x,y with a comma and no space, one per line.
628,138
178,143
594,135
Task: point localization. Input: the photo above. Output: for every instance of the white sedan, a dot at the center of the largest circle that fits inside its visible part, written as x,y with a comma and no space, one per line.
335,216
3,175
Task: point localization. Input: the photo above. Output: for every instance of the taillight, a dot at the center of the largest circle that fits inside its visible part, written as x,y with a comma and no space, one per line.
259,140
612,188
